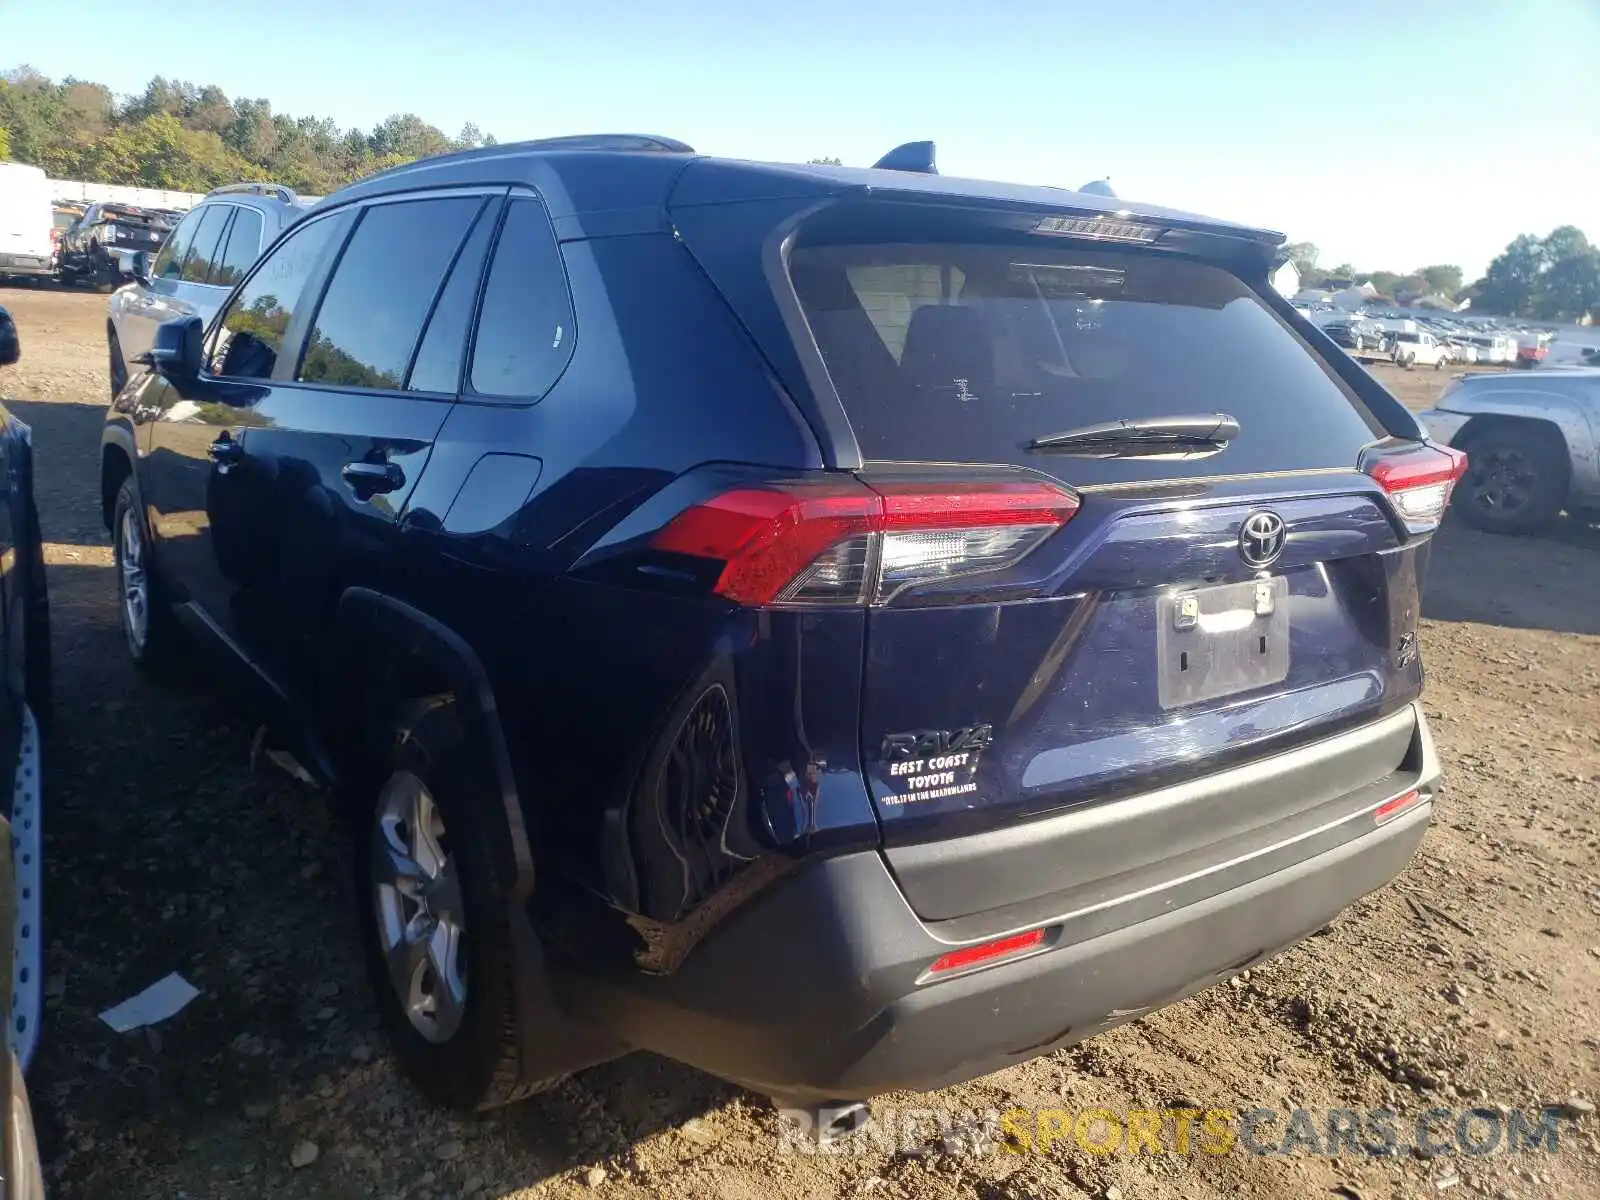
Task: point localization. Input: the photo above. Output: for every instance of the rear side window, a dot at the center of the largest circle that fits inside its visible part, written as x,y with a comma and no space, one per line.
197,267
240,250
382,290
169,259
438,364
251,334
957,353
525,333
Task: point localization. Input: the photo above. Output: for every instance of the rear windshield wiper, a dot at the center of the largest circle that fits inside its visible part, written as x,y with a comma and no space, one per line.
1144,437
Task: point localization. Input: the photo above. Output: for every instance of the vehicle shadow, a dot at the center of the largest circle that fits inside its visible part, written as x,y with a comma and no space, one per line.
66,434
1545,582
167,851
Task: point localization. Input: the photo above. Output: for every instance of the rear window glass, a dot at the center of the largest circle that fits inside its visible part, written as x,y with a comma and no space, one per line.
956,353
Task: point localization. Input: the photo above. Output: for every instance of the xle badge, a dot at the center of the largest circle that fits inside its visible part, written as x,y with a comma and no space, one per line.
930,764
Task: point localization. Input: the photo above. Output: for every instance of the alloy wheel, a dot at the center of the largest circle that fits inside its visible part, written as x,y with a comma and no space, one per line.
1501,481
419,907
135,581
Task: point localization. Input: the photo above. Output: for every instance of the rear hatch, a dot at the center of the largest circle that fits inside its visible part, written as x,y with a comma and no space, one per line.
1052,628
131,229
1199,607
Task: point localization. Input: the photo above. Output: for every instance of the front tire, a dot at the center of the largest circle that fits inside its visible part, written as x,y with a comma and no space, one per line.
117,365
148,626
435,926
1516,481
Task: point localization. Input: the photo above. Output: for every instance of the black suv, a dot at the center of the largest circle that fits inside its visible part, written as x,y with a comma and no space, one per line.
94,249
847,630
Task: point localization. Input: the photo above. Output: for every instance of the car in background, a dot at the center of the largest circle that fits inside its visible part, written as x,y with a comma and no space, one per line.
1357,333
1493,347
24,715
985,687
1418,347
191,271
1532,349
1532,445
93,250
27,248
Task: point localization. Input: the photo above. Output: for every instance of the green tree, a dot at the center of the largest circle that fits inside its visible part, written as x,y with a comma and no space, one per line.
1443,279
1512,281
825,162
1303,255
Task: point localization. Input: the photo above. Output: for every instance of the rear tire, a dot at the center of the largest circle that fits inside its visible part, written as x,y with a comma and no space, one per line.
434,925
148,627
1516,481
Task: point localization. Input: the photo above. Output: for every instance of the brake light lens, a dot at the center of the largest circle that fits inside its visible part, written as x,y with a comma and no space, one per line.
1418,479
843,542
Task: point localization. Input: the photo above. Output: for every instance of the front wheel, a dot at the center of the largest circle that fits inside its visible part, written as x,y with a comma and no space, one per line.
117,366
1516,481
148,626
434,925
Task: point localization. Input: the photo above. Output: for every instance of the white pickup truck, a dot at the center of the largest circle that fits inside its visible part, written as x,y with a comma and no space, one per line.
1420,348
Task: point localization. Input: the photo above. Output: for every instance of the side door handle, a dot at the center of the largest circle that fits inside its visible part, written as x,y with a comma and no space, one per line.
371,478
225,451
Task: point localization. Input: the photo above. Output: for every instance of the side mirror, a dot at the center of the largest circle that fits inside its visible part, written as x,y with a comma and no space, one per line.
175,354
139,266
10,345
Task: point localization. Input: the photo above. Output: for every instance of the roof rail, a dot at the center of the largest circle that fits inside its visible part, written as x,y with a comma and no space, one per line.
912,156
276,190
609,141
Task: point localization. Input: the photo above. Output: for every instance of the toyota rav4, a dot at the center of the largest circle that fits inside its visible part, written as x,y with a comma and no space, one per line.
845,630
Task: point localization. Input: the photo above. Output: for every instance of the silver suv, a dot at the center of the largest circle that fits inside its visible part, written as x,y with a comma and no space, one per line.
194,270
1532,443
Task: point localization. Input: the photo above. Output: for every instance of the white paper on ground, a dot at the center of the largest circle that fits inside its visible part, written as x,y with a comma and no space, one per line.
157,1002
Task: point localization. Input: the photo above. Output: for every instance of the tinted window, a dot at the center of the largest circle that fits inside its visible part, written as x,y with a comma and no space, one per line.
169,260
241,249
525,333
958,353
197,267
252,332
438,365
382,289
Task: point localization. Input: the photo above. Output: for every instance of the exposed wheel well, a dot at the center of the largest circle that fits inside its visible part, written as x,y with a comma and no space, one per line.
114,468
1482,427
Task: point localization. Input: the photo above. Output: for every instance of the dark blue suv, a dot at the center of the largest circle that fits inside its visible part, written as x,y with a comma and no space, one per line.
846,630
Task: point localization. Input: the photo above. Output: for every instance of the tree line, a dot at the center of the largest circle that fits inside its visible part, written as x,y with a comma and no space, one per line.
1554,278
190,138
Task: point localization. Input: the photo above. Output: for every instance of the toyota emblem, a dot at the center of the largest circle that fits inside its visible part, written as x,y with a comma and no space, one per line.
1261,539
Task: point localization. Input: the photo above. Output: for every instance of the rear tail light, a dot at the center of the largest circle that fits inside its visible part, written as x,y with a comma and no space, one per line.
1418,479
985,953
842,542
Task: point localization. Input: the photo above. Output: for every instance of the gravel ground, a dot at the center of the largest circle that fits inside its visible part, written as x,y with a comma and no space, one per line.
1471,980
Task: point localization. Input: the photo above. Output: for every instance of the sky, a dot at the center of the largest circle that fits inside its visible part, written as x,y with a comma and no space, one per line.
1392,133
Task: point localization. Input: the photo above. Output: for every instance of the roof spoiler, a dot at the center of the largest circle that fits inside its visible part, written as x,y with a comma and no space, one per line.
910,156
276,190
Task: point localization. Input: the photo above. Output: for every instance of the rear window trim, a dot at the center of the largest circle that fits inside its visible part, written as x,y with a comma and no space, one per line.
845,451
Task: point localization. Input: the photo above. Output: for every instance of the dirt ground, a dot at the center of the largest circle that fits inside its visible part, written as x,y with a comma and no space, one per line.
1473,980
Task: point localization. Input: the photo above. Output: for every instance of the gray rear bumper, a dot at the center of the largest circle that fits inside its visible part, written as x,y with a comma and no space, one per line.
814,992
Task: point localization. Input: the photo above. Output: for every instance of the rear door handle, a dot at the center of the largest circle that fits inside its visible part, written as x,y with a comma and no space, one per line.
373,477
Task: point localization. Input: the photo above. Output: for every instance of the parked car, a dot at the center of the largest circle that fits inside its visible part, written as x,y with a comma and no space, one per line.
206,254
746,612
1533,445
1358,334
26,247
1532,349
92,250
1418,347
24,711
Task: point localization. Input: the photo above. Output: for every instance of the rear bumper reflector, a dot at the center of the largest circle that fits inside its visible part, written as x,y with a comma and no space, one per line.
1390,809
